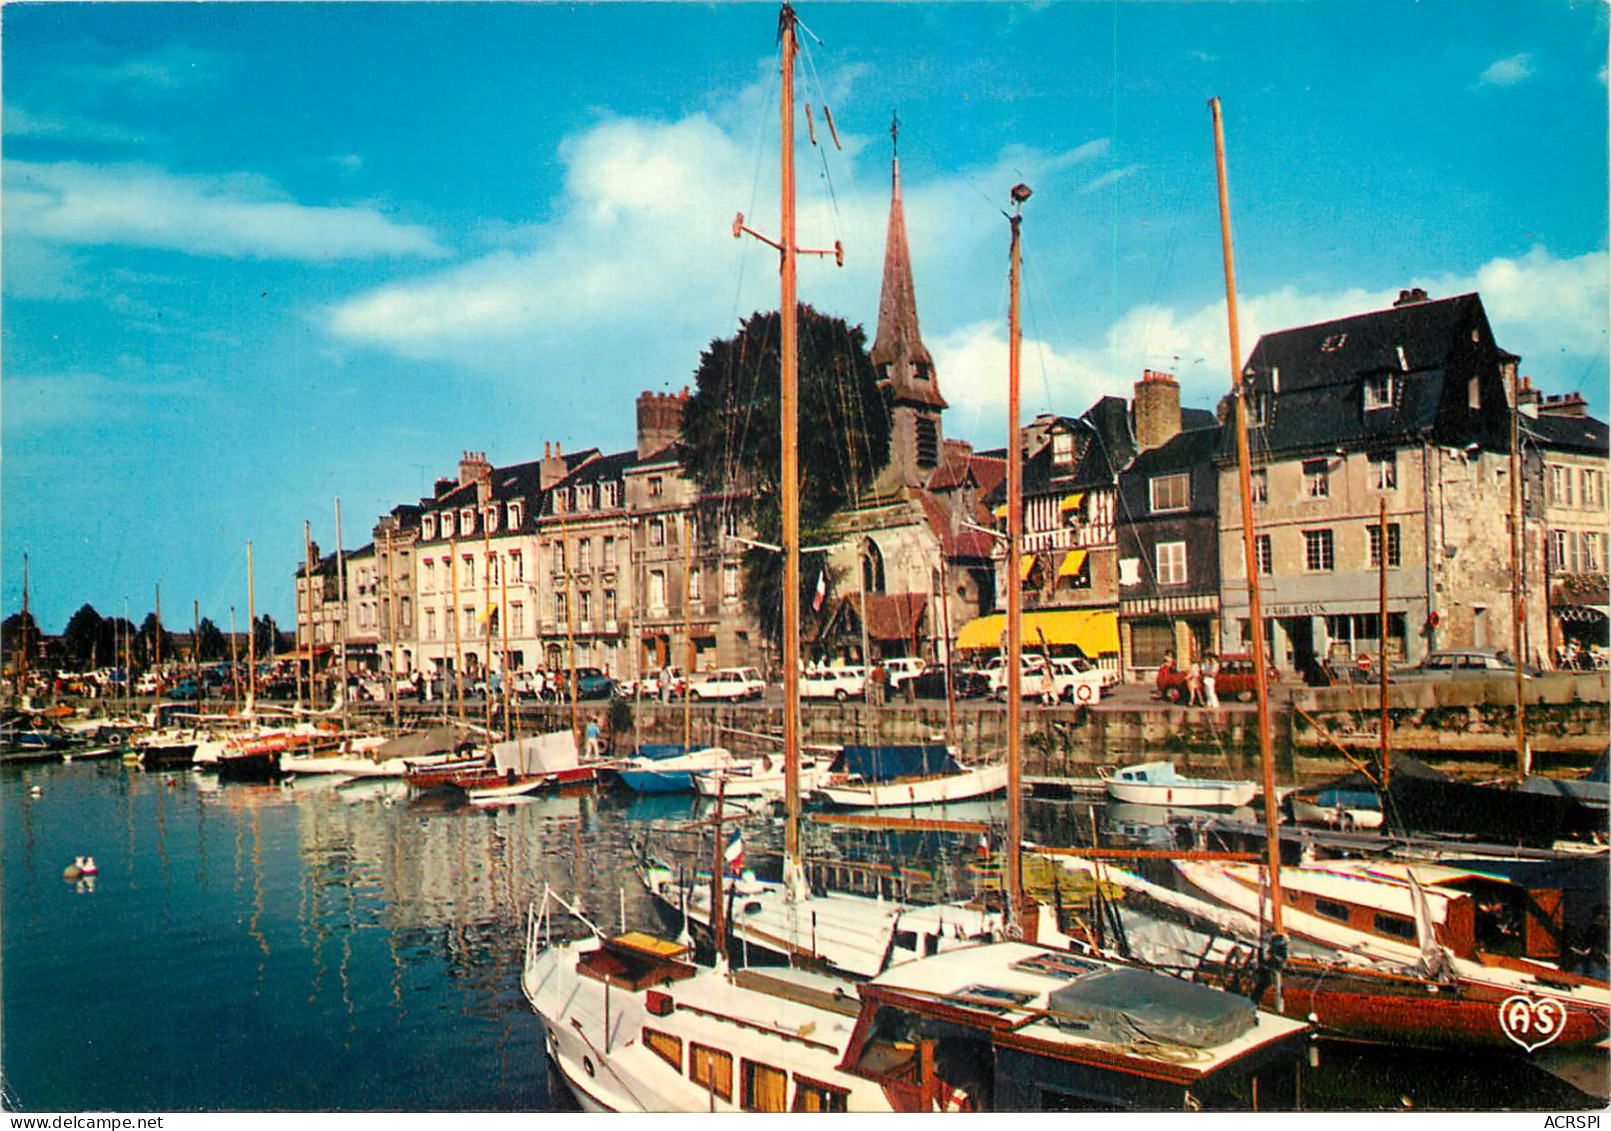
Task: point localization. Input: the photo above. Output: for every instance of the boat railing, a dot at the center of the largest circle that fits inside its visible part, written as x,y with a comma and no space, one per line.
539,921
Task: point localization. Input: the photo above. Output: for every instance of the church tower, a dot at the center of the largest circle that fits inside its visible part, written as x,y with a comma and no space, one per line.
905,369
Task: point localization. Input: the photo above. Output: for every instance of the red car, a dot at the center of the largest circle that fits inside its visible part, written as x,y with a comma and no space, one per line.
1235,681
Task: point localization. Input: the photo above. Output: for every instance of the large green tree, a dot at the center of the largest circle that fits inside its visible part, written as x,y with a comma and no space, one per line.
266,637
81,640
732,440
210,642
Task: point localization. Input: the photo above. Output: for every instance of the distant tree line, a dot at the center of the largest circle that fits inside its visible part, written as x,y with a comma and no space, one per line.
92,641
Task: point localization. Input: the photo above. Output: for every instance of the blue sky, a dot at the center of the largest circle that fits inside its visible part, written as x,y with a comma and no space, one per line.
260,256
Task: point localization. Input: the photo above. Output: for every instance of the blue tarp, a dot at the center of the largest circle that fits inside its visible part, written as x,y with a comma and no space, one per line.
885,763
659,750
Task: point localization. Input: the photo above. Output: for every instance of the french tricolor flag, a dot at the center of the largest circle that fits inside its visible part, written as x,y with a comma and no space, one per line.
733,855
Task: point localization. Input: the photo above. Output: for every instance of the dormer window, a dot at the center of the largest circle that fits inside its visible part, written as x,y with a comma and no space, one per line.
1378,391
585,501
1062,448
447,524
920,370
657,486
612,495
1333,343
514,516
491,518
467,520
428,526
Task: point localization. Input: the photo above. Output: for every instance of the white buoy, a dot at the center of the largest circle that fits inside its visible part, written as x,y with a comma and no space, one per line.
87,866
35,791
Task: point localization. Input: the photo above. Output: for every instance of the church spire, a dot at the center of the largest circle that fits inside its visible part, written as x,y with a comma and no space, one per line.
902,360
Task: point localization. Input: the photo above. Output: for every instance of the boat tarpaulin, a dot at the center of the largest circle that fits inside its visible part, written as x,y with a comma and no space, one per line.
538,754
885,763
1123,1005
419,743
661,750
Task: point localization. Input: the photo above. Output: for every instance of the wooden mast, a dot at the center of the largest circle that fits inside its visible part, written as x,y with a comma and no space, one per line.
22,661
1518,604
341,597
195,641
790,410
688,532
307,587
391,622
486,602
458,643
234,663
251,637
1250,558
1381,617
159,642
1011,862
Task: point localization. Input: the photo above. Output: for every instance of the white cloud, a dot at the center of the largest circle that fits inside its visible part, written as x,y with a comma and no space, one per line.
237,216
1508,71
1112,176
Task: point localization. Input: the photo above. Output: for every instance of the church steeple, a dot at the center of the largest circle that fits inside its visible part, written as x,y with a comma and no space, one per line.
902,360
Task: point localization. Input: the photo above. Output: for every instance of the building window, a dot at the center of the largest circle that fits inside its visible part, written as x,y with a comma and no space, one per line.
1150,643
1557,549
1062,448
1591,484
517,619
928,441
1260,478
1261,550
428,577
467,520
1171,563
490,517
1317,553
447,524
730,524
609,551
561,609
1375,531
517,572
762,1087
1557,477
694,585
612,494
1378,391
1591,553
609,604
1170,492
657,486
428,526
514,516
450,622
730,582
468,575
1383,471
406,606
584,554
1473,394
1317,478
430,624
584,606
657,532
657,589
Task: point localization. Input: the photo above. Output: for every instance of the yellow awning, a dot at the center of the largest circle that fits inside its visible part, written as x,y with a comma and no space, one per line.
1026,563
1071,502
1072,563
1000,511
1093,631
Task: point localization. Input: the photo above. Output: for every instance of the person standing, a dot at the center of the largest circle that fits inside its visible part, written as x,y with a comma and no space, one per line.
1048,686
1210,678
593,736
1194,684
880,681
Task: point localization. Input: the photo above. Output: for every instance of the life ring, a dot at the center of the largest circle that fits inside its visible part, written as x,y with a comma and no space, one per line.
1083,693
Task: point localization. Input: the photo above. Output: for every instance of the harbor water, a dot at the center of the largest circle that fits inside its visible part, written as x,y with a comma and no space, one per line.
309,947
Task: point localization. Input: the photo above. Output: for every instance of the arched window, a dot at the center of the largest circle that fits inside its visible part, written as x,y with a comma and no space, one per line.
872,568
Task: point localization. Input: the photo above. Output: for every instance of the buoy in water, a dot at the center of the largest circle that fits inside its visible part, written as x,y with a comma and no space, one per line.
73,871
87,866
35,791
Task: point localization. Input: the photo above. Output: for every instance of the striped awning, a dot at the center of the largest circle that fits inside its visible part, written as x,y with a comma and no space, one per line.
1073,562
1071,502
1094,632
1026,564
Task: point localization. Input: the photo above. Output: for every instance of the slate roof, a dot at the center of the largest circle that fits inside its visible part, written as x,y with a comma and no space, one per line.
890,616
1571,433
1312,379
1183,451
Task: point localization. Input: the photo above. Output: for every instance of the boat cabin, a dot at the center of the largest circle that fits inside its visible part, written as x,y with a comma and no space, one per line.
1016,1027
635,960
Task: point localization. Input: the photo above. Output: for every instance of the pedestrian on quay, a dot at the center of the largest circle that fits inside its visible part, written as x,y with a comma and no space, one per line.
1194,684
1048,686
593,746
1165,671
880,681
1210,678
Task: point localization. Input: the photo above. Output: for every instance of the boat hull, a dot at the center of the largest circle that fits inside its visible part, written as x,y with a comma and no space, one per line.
940,790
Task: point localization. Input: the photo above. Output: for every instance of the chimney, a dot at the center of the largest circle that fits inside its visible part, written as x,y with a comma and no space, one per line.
552,469
443,486
659,420
1527,398
1157,409
1411,296
1566,404
473,467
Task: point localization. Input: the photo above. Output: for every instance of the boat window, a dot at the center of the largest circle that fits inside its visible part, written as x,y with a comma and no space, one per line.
1331,909
906,940
812,1095
711,1069
765,1088
993,997
665,1046
931,944
1056,965
1396,926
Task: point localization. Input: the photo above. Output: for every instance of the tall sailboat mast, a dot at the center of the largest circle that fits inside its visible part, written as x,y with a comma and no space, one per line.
1011,861
789,488
1250,558
251,638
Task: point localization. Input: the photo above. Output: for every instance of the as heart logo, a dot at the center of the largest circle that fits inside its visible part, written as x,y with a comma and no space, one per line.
1532,1024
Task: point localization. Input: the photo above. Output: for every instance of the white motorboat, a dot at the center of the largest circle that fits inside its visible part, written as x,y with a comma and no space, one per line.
1158,783
761,777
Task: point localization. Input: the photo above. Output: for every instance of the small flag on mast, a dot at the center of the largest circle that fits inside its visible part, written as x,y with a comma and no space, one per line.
733,855
822,591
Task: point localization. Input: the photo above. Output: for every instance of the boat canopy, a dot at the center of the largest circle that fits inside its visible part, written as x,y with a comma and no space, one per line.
539,754
658,751
1095,632
419,743
886,763
1123,1005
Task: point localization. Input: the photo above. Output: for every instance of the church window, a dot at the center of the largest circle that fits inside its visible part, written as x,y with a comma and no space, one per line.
928,442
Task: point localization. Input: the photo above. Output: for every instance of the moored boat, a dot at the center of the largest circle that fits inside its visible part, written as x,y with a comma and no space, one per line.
881,777
1159,783
671,769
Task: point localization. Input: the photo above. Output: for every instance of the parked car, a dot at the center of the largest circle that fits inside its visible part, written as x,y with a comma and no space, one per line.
1235,680
185,689
1031,664
901,669
966,683
591,683
728,683
1077,681
833,683
1463,663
